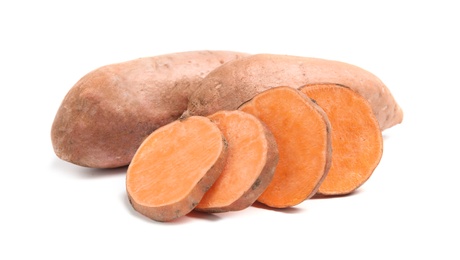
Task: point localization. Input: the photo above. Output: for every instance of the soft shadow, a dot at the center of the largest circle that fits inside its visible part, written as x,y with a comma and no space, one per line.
132,211
191,216
97,173
290,210
85,172
321,196
385,137
203,215
184,219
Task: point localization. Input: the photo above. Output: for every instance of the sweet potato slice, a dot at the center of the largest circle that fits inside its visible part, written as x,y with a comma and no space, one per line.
356,137
301,130
251,163
174,167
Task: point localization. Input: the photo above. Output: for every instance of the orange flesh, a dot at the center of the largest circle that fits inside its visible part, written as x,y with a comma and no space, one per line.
172,160
247,156
303,139
356,137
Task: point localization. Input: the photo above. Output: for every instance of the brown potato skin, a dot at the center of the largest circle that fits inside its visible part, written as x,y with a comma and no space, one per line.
107,114
236,82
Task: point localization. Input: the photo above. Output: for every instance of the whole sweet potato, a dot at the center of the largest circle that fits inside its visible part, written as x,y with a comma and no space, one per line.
109,112
236,82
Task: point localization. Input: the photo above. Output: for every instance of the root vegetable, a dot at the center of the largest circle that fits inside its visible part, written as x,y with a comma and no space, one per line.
174,167
108,113
251,163
234,83
357,143
302,132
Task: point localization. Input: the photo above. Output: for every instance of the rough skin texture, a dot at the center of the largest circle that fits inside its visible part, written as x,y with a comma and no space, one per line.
108,113
238,81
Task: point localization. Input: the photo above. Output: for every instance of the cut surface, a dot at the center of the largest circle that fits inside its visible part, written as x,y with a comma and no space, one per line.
302,133
356,138
174,167
251,162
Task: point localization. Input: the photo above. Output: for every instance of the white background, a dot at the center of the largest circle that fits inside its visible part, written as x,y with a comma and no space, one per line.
408,209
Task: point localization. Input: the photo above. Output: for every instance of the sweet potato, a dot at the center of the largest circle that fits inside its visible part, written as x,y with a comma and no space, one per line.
357,143
108,113
174,167
302,132
230,85
251,163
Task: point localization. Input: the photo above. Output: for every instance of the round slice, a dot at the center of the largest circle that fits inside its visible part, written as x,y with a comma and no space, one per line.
251,162
356,137
174,167
301,130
